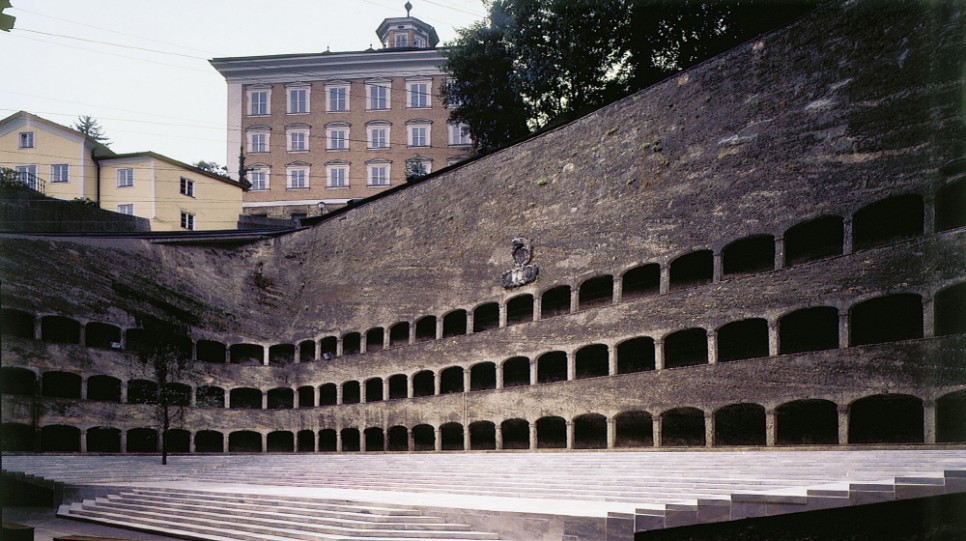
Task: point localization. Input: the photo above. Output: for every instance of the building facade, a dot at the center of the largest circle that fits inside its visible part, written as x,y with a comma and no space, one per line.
61,162
318,130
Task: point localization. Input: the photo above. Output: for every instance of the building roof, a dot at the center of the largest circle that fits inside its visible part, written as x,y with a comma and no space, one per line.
172,161
420,25
100,148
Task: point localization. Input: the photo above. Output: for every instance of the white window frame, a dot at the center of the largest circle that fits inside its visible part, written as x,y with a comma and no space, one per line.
303,104
261,146
417,97
415,138
27,175
378,96
263,183
25,139
337,138
419,41
373,175
187,187
337,176
125,177
187,220
297,177
267,104
298,140
126,208
459,135
401,39
59,172
372,142
342,102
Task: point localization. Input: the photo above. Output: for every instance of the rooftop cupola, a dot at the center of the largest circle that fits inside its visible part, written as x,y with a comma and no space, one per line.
406,32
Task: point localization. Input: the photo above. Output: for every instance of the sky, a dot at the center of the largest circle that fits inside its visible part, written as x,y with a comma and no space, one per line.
140,67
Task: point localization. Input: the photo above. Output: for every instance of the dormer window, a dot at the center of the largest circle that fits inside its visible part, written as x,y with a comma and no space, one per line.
402,39
420,41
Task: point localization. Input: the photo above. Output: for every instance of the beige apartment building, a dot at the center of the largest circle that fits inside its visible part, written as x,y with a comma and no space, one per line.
60,162
320,129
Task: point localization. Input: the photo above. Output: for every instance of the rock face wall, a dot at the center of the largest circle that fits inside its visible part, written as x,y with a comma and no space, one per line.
854,115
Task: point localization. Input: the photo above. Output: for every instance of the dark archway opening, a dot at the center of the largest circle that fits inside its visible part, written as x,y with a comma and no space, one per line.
807,422
306,396
209,441
683,427
245,398
399,334
328,394
398,438
16,437
451,380
61,330
305,441
375,339
351,343
281,354
210,351
397,386
740,424
551,433
350,440
951,418
516,372
951,206
60,439
104,389
888,220
60,385
634,429
551,367
179,394
886,319
178,441
555,302
515,433
519,310
745,339
142,440
591,361
16,323
244,441
482,436
375,439
750,254
246,354
809,329
426,329
328,440
814,239
950,310
328,347
641,282
424,384
483,376
280,441
103,439
351,392
486,317
209,396
590,431
20,381
454,323
451,437
635,355
374,390
281,398
307,351
886,419
596,291
102,335
135,339
424,438
688,347
692,269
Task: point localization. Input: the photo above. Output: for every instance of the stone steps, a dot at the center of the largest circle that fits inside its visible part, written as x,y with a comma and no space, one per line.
170,512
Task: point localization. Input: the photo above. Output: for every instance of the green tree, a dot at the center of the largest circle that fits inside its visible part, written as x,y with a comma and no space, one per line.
91,129
534,63
212,167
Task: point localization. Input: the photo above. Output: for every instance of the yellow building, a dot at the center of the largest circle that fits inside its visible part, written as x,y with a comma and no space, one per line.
61,162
